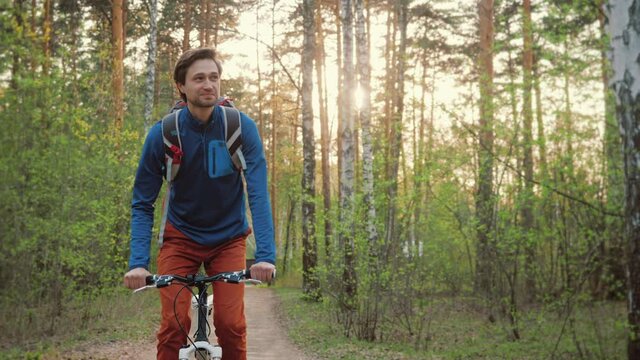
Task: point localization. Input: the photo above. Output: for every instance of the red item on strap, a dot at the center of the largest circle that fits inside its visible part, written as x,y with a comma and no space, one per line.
177,154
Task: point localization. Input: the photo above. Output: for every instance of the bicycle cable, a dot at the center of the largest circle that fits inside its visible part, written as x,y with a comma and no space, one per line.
175,313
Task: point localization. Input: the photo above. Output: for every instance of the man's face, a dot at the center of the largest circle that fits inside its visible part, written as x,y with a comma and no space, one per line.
202,83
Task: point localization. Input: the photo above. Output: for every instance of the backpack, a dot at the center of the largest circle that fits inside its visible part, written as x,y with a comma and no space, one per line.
173,145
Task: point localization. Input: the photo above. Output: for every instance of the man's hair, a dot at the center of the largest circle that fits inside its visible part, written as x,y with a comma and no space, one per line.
188,58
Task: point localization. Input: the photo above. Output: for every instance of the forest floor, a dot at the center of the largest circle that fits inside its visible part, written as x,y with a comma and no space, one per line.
266,335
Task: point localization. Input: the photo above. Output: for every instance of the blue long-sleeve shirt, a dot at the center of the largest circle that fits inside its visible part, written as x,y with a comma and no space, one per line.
207,201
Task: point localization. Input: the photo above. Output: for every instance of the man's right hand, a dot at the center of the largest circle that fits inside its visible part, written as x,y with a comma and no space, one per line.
136,278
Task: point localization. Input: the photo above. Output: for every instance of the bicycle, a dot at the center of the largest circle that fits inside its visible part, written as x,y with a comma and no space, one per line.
200,347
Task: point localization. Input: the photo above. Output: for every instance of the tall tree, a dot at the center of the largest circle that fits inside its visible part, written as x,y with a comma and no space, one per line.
324,129
364,77
624,18
47,30
611,248
186,43
395,134
527,142
364,73
117,29
151,63
310,282
347,171
484,195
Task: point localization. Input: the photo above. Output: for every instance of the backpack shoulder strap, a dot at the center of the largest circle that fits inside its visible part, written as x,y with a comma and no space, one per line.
233,136
172,145
172,158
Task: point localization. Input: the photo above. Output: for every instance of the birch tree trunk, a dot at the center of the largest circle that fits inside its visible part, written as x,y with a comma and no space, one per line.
372,312
324,130
347,225
364,71
310,281
484,196
151,63
339,62
611,248
118,65
624,29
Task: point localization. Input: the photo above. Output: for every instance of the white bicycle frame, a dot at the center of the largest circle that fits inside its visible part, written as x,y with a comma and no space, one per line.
214,351
201,343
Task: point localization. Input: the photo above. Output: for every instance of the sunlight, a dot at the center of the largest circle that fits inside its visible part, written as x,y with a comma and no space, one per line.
359,98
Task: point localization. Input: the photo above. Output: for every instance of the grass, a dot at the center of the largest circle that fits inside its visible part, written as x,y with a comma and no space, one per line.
115,316
457,330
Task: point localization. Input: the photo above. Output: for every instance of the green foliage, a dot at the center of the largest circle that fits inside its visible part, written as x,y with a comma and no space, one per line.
456,329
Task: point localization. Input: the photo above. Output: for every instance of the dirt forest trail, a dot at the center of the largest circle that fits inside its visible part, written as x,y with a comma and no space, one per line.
266,336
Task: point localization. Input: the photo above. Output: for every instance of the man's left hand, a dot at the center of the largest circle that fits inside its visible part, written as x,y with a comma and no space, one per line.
263,271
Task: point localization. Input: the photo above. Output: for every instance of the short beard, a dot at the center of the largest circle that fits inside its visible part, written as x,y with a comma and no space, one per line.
204,104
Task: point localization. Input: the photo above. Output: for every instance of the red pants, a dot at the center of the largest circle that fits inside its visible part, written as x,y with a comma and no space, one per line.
181,256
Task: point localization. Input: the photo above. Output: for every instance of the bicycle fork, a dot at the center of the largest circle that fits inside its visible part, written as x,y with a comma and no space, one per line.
201,347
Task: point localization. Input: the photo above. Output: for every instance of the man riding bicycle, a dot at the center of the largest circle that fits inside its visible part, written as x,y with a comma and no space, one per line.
205,215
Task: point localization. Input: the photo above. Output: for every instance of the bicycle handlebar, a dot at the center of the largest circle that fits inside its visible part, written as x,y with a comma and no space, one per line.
233,277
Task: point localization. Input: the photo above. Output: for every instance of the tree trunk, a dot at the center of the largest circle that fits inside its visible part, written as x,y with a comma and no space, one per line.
625,48
46,36
18,15
339,60
324,130
611,247
118,65
151,63
364,71
310,281
347,198
484,196
187,26
274,110
395,135
261,120
527,139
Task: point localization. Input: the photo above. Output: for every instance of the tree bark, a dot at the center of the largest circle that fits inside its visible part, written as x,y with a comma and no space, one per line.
395,135
527,142
274,110
624,29
151,63
324,130
187,26
310,281
261,120
16,65
46,36
347,198
364,72
484,195
611,248
340,99
118,64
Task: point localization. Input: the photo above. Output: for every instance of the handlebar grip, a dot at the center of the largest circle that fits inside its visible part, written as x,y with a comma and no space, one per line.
150,280
247,274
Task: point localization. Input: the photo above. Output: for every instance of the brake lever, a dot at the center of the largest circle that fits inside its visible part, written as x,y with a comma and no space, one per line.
143,288
251,281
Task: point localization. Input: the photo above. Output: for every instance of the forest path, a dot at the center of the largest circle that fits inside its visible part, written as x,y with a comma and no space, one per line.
266,336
